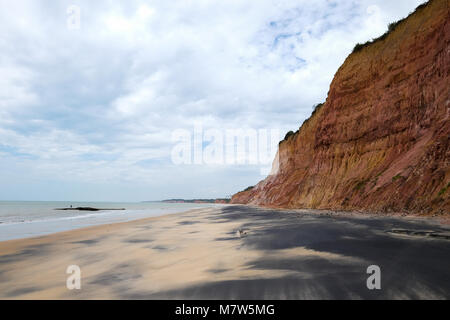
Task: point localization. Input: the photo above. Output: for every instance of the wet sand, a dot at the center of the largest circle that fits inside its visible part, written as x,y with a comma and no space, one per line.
199,254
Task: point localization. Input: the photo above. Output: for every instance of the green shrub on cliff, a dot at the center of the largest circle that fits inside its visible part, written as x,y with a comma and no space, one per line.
444,190
396,178
360,185
288,135
316,107
359,46
391,28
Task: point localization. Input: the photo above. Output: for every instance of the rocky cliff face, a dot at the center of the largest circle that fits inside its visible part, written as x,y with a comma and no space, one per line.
380,142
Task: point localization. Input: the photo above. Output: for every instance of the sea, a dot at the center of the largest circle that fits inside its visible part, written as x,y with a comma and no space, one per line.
27,219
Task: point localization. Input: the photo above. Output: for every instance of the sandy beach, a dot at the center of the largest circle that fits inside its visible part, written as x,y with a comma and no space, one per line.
200,254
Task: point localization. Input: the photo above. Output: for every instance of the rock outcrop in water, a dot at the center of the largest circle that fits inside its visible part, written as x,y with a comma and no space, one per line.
380,142
87,209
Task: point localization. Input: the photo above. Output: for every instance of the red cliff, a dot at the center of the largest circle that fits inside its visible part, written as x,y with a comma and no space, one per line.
380,142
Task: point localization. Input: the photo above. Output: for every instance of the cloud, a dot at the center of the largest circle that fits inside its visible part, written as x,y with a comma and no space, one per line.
94,108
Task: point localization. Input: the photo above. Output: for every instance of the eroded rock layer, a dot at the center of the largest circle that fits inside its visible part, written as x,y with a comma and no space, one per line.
380,142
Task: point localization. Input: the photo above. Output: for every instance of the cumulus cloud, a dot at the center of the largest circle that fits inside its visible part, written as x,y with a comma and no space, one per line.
88,113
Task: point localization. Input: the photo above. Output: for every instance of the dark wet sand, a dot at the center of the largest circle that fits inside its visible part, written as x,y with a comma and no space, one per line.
285,254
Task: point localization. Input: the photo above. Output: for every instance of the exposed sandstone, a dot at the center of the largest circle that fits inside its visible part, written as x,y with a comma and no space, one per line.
380,142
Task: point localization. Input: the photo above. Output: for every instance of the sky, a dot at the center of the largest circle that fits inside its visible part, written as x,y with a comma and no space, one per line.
95,95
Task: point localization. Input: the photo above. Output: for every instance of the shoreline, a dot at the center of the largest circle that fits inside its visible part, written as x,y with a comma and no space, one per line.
93,228
202,254
28,226
433,220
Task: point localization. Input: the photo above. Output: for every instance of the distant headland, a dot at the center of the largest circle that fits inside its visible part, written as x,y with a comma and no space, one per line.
218,200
